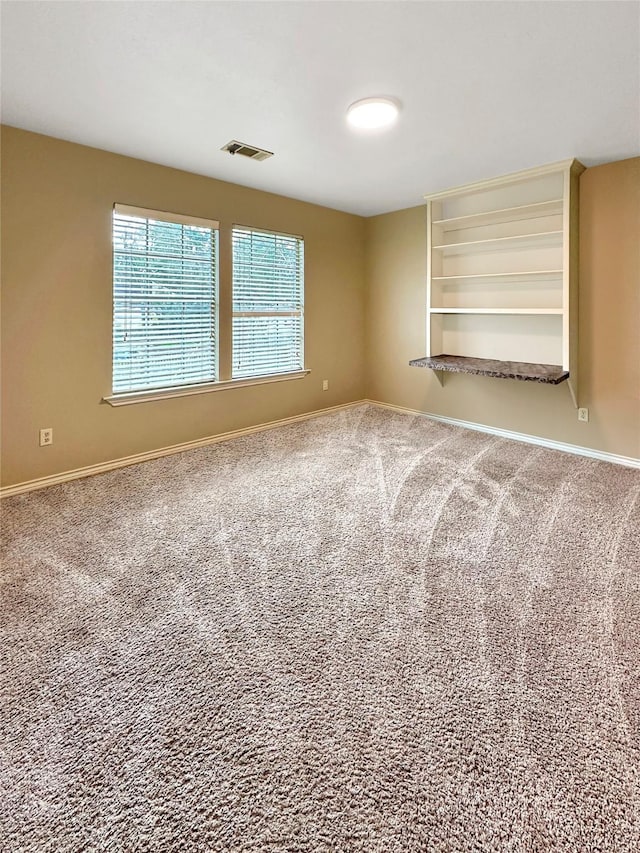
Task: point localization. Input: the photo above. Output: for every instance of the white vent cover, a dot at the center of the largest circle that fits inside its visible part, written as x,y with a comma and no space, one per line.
235,147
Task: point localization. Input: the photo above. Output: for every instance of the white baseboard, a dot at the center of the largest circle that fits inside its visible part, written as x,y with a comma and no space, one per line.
102,467
602,455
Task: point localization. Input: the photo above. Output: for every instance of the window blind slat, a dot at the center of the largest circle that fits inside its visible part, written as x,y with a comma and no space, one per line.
268,299
164,300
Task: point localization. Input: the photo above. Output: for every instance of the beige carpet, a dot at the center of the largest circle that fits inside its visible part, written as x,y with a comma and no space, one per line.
366,632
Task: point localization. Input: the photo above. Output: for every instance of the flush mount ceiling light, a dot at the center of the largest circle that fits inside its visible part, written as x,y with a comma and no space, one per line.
372,113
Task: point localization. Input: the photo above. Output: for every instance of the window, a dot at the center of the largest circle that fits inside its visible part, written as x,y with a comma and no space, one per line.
165,285
166,315
268,298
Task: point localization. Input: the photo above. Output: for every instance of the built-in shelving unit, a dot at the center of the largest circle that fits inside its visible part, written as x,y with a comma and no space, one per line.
502,277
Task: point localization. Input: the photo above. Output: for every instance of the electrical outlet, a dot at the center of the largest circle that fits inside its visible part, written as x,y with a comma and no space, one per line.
46,437
583,415
325,384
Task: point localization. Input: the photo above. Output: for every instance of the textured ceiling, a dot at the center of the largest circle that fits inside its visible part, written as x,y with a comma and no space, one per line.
486,88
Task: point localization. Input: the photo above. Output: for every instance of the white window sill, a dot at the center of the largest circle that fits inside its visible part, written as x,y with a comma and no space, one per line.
189,390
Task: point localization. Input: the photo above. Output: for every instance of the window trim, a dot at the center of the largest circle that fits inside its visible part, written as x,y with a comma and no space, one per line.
127,398
167,216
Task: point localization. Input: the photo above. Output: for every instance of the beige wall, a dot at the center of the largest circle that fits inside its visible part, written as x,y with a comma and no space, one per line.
57,199
56,313
609,340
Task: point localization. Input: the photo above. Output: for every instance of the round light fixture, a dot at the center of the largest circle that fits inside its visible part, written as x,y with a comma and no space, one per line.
372,113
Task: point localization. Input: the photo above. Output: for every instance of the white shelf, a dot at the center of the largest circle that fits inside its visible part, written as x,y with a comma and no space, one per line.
530,311
506,214
531,275
540,240
523,225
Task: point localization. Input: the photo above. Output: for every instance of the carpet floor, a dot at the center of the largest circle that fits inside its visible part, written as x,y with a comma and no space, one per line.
364,632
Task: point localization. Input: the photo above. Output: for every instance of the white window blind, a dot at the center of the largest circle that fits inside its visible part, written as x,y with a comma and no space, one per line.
165,284
268,301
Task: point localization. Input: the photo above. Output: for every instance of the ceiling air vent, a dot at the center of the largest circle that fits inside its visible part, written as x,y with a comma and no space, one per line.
235,147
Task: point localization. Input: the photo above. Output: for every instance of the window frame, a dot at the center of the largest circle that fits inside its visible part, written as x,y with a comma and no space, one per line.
223,295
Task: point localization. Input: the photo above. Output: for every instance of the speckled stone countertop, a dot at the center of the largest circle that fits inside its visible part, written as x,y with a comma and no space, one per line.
552,374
